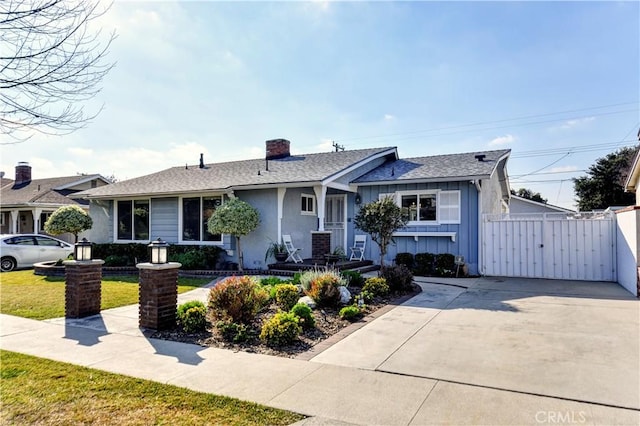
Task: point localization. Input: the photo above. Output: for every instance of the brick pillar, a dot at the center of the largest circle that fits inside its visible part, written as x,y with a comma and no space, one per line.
158,295
320,245
83,288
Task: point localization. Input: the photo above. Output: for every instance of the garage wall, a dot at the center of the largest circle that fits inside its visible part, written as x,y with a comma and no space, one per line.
628,248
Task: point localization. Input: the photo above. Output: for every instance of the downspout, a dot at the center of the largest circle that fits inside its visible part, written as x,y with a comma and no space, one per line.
281,192
480,253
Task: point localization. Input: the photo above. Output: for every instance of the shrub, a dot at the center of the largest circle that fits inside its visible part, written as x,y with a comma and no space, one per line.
399,277
233,332
273,281
71,218
115,260
424,264
192,316
366,296
350,313
237,299
286,296
445,264
405,259
324,291
193,259
376,287
282,329
354,278
303,312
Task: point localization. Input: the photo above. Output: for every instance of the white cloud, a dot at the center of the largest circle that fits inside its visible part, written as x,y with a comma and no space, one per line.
562,169
502,140
325,145
80,152
570,124
389,117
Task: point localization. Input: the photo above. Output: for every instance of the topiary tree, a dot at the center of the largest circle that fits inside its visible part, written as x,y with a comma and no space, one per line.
380,219
237,218
72,219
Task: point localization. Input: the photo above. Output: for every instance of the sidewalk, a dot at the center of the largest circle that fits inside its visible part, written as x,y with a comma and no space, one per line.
329,394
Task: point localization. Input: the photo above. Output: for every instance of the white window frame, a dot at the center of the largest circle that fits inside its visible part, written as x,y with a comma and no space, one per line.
201,242
313,200
41,222
397,197
133,231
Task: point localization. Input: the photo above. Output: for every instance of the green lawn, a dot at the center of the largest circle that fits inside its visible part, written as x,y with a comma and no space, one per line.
41,391
27,295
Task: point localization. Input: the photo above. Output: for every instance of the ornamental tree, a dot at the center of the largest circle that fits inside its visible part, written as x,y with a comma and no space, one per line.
380,219
237,218
72,219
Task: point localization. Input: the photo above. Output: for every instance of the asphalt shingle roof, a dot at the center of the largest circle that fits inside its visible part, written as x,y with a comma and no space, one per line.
303,168
436,167
38,191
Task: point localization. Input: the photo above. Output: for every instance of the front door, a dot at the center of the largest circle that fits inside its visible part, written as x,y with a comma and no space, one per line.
334,220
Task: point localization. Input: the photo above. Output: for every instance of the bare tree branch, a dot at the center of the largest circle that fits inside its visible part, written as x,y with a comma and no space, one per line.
50,62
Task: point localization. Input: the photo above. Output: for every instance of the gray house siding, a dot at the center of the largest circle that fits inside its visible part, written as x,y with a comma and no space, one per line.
466,238
256,243
101,212
296,224
164,219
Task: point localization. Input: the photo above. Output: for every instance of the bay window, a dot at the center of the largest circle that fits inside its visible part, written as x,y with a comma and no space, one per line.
428,206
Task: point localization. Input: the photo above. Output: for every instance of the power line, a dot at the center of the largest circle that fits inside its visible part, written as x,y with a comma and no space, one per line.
480,123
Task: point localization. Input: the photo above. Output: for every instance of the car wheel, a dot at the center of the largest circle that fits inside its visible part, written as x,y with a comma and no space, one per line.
7,264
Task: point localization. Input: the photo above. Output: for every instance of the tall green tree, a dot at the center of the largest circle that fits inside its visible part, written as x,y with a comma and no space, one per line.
604,184
70,219
237,218
380,219
529,195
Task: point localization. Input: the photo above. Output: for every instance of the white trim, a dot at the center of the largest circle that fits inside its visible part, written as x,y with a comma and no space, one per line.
359,164
427,180
415,235
83,179
315,205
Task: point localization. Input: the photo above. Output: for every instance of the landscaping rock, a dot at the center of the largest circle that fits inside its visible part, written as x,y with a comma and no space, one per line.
345,295
307,301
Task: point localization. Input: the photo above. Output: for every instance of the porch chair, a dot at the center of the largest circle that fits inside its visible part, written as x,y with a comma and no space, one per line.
359,244
291,250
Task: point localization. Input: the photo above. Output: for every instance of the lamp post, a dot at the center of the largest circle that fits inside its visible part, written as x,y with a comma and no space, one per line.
158,288
82,250
83,282
158,251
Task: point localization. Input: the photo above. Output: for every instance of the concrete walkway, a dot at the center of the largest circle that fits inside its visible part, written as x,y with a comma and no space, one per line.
497,352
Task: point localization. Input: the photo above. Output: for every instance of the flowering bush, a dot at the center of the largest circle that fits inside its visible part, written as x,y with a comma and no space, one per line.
281,329
70,219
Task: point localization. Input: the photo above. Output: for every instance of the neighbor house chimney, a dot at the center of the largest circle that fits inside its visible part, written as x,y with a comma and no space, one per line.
277,148
23,173
201,161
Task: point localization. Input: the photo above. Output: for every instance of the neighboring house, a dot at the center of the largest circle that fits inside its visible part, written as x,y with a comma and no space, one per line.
525,205
26,203
633,180
302,194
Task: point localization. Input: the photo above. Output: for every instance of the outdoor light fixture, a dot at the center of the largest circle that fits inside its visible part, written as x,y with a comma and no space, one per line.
358,199
158,251
82,250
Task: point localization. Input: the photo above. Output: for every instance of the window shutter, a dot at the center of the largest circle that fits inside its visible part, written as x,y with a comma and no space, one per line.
449,207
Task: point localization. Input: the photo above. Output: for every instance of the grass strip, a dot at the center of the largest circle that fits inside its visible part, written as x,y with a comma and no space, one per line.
26,295
41,391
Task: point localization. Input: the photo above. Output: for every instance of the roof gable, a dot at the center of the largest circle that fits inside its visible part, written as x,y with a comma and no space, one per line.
43,191
436,168
303,169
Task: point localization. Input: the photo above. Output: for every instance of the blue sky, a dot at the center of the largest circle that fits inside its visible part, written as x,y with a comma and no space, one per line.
558,83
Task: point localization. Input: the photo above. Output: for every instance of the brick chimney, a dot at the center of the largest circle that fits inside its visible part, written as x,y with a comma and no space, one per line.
277,148
23,173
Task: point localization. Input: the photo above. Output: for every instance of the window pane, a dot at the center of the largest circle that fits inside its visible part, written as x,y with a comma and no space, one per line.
124,220
191,219
141,219
209,205
43,241
428,207
409,207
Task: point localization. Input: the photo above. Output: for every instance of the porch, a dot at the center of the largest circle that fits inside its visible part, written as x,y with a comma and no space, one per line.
307,264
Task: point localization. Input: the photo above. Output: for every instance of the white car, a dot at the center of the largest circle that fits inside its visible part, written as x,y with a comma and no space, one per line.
23,250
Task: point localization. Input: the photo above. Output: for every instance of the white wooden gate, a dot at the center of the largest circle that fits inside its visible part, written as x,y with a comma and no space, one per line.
574,246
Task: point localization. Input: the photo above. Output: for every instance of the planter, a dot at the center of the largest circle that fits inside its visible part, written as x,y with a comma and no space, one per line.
281,257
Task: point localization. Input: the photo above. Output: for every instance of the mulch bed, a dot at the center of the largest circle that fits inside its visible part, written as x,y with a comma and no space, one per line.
328,324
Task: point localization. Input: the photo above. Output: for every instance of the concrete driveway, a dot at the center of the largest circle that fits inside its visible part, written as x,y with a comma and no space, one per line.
574,341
